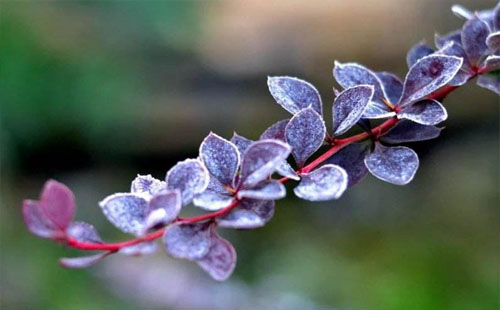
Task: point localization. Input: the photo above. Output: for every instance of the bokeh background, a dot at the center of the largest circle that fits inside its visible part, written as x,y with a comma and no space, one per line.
93,93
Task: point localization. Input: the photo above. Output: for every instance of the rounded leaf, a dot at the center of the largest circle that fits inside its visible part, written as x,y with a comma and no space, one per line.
325,183
248,214
221,158
392,85
425,112
83,232
190,177
351,159
146,185
349,106
417,52
58,203
294,94
241,142
408,131
265,190
276,131
163,208
474,34
189,241
126,211
220,260
38,223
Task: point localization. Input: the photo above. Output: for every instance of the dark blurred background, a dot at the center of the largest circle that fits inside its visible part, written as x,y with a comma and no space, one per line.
93,93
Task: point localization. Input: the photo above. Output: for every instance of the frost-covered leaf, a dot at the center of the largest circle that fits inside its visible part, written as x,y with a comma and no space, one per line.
492,63
147,185
294,94
221,158
189,241
276,131
58,203
249,214
190,177
349,106
325,183
425,112
376,110
392,86
474,34
265,190
220,260
284,169
305,133
465,72
126,211
82,261
83,232
490,81
212,200
461,11
37,222
428,75
442,40
417,52
241,142
493,41
351,159
261,159
139,249
163,208
408,131
396,165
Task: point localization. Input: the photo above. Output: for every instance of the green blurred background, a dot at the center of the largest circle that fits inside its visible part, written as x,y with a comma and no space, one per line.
93,93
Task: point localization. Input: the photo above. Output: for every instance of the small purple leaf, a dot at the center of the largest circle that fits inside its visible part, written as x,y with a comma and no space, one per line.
265,190
83,232
249,214
492,63
241,142
126,211
294,94
221,158
189,241
490,81
82,261
190,177
493,41
163,208
474,34
392,86
349,106
37,222
284,169
276,131
212,201
305,133
146,185
442,40
396,165
408,131
220,260
325,183
376,110
261,159
417,52
139,249
58,203
461,11
425,112
428,75
351,159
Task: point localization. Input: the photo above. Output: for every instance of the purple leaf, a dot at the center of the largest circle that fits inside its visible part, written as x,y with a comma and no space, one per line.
376,110
425,112
294,94
241,142
284,169
139,249
147,185
221,158
249,214
212,201
474,34
265,190
276,131
392,86
38,223
126,211
351,159
163,208
190,177
492,63
349,106
442,40
408,131
261,159
189,241
490,81
428,75
352,74
220,260
82,261
325,183
58,203
305,133
83,232
465,72
417,52
396,165
493,41
461,11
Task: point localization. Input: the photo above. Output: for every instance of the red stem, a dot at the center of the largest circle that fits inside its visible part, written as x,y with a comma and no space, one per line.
338,144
